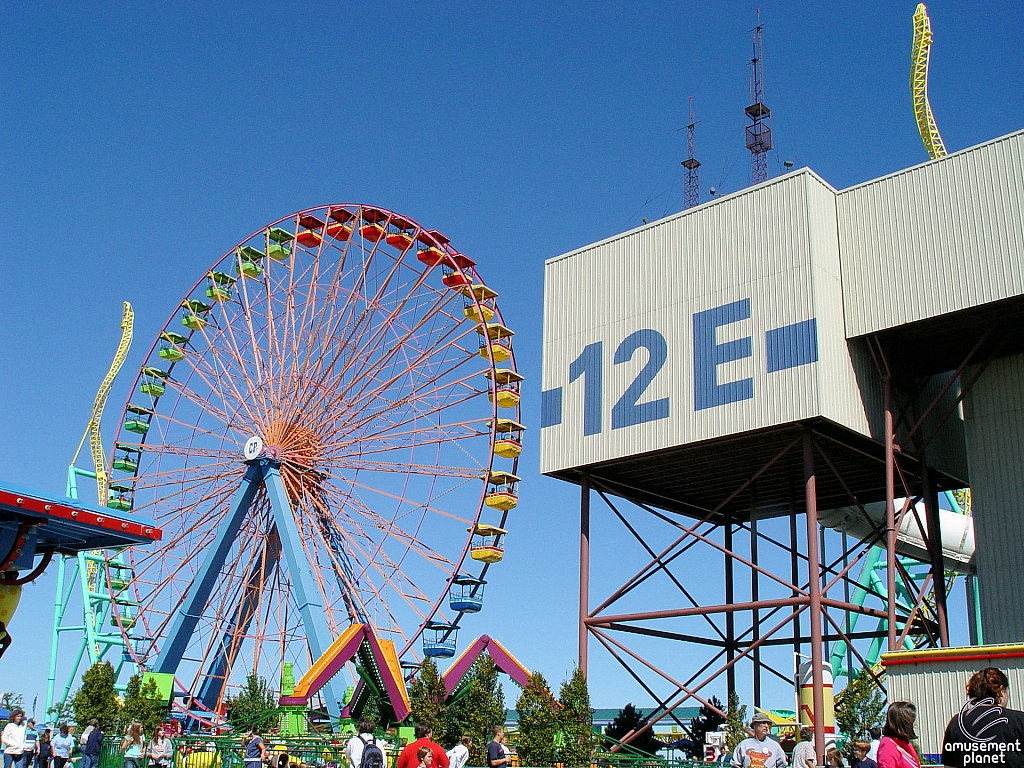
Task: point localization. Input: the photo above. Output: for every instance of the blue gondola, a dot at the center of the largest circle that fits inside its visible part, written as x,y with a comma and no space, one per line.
439,640
466,594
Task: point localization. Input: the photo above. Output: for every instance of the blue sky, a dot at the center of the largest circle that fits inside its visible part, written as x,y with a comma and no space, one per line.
141,141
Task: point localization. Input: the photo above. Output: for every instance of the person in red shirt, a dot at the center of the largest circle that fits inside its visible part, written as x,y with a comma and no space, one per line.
408,757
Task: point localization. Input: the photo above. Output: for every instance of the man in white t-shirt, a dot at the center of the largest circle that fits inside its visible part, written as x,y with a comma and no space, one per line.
356,745
759,751
459,754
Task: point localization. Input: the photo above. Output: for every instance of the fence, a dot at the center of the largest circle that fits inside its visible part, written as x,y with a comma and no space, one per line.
226,752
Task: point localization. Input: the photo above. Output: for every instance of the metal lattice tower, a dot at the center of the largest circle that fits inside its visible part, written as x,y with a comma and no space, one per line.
691,194
759,129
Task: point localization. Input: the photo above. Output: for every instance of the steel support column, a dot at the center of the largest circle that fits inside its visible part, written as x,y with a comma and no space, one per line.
931,508
754,597
584,570
304,585
814,583
232,636
187,618
730,619
890,513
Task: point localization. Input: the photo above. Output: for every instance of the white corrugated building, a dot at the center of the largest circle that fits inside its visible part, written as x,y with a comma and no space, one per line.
680,354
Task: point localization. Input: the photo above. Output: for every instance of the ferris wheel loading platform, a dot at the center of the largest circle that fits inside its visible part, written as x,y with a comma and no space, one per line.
686,362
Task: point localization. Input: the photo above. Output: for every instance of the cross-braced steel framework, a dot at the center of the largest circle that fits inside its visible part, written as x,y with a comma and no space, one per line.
753,501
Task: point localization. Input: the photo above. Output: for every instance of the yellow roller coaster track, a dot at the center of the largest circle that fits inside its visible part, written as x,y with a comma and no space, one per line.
92,431
919,84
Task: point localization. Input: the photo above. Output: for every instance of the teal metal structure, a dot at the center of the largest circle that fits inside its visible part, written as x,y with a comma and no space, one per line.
911,577
96,635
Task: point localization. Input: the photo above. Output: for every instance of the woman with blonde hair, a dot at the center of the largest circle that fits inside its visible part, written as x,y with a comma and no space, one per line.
133,745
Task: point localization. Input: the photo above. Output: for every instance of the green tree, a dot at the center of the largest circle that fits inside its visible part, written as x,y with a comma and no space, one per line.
482,707
254,707
141,702
12,700
707,721
735,722
97,698
538,722
859,706
576,719
628,720
427,696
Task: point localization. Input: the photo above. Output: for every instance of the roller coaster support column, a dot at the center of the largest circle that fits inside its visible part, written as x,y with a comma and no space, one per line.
192,608
814,579
307,593
584,569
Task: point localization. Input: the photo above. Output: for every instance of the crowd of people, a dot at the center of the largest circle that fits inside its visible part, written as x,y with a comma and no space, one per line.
25,747
984,732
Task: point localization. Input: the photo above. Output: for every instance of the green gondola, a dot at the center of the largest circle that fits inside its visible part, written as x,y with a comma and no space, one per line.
172,346
136,419
152,382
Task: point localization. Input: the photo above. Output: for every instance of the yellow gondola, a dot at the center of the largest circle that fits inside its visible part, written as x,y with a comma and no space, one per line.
498,338
471,294
502,491
508,438
488,545
508,387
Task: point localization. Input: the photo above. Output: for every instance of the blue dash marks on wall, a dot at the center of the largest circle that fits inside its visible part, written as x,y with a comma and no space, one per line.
792,345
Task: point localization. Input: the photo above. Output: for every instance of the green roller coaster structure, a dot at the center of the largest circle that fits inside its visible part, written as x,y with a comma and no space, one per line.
912,576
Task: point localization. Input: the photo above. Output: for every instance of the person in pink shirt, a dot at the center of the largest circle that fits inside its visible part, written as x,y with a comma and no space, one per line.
895,749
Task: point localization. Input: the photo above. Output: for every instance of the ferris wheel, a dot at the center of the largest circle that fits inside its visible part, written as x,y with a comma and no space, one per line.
327,431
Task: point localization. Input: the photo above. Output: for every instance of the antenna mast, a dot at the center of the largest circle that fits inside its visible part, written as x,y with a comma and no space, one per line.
759,129
691,194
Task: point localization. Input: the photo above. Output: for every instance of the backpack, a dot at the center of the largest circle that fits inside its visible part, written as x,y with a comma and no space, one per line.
373,756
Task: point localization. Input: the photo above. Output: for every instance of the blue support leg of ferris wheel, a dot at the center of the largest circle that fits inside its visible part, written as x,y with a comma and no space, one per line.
304,585
198,596
260,572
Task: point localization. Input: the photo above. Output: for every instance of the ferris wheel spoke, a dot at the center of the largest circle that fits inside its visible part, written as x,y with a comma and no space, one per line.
409,540
200,474
468,473
410,502
367,396
338,560
208,377
224,372
416,396
379,546
245,307
460,430
161,449
367,345
240,359
163,417
386,573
